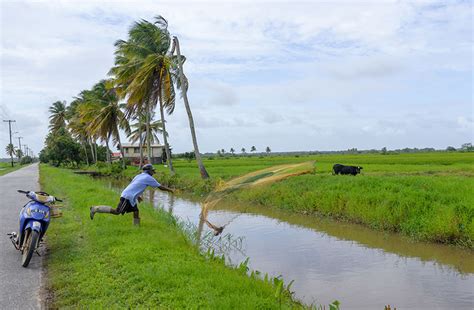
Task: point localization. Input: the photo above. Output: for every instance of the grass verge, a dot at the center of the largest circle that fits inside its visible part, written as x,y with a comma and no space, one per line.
110,263
7,168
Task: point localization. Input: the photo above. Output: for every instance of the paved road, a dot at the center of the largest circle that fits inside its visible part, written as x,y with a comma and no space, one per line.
19,287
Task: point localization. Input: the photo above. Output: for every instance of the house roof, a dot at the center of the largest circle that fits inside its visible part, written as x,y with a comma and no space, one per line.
136,145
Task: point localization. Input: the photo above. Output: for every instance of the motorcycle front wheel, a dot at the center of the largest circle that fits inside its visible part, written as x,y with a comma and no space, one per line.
29,247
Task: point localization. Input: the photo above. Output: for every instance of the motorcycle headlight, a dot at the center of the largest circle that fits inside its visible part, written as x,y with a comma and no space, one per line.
28,211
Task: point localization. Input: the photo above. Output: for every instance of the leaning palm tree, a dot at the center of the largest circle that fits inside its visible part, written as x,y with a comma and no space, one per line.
79,131
90,105
110,117
183,85
78,126
143,74
57,119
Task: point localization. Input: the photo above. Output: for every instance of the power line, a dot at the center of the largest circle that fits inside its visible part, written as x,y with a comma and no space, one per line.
10,121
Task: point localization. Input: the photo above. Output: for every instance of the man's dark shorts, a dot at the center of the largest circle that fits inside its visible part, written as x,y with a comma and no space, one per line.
124,206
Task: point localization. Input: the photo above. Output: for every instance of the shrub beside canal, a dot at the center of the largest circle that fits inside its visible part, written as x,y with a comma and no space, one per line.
108,262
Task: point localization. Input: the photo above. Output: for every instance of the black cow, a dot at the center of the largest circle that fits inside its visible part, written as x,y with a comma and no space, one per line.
341,169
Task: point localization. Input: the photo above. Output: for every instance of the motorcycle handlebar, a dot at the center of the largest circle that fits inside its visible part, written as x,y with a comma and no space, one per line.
26,192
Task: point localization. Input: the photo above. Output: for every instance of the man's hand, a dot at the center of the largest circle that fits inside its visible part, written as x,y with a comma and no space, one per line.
140,199
164,188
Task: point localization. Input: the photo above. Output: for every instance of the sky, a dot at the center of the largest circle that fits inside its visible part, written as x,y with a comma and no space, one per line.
291,75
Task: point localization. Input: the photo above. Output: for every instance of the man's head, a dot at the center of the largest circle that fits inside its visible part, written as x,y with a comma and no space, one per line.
148,168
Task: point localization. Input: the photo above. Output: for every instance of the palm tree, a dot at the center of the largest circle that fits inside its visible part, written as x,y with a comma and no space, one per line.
139,131
78,127
268,150
232,150
143,73
57,119
253,149
19,153
183,85
10,149
243,150
80,113
110,117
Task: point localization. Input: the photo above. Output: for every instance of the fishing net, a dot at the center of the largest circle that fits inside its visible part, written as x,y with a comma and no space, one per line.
257,178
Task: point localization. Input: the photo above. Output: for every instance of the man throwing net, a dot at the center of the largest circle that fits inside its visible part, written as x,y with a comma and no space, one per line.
131,195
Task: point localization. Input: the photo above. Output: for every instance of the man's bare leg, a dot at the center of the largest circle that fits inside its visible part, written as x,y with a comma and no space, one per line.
102,209
136,218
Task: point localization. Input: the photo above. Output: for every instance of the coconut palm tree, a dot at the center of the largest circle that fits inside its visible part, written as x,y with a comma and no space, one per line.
88,108
19,153
78,126
138,130
109,118
10,149
57,119
143,73
183,86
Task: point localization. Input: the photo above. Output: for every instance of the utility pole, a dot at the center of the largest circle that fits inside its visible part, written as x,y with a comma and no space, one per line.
10,121
19,145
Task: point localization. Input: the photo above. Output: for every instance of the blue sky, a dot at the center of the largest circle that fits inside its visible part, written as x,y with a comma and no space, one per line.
307,75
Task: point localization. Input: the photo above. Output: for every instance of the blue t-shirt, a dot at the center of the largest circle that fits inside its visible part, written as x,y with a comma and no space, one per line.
137,186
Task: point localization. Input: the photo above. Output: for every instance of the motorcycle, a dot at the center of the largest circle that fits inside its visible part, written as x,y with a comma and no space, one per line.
34,221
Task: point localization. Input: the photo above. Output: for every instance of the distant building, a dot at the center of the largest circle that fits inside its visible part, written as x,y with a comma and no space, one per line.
132,152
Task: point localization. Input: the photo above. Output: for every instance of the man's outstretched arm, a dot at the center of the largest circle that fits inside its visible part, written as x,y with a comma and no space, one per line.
166,189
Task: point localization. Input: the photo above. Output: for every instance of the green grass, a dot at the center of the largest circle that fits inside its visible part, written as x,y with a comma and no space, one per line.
110,263
427,196
7,168
437,209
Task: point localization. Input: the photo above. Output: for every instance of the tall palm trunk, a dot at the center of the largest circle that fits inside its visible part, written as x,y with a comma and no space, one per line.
202,169
148,134
140,143
167,149
109,159
95,151
85,152
121,150
94,159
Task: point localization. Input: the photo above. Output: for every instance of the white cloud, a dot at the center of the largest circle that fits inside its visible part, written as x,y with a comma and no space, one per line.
305,75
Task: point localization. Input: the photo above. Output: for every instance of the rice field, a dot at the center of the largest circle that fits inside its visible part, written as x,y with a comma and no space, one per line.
427,196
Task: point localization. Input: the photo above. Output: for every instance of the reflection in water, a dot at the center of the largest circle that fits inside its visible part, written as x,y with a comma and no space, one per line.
331,260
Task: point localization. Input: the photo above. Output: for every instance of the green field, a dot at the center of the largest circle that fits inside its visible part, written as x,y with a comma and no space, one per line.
109,263
7,168
427,196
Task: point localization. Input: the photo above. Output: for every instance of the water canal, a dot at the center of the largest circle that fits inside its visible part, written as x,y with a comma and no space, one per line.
331,260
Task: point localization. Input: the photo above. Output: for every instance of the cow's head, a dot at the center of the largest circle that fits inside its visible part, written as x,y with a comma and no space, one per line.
359,168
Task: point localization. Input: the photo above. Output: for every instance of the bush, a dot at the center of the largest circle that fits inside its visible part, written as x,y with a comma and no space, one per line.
116,168
26,160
